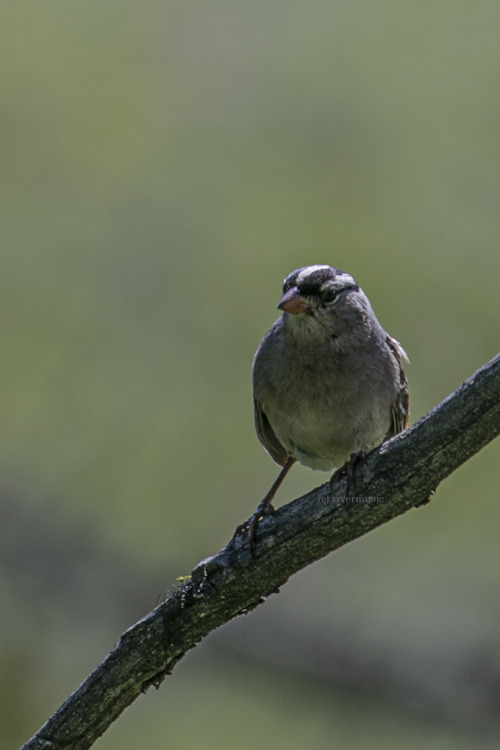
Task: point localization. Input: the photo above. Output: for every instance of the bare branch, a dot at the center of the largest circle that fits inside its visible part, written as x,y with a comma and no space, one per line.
397,476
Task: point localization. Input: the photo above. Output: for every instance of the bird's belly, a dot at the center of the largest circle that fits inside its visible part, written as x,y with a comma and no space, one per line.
316,437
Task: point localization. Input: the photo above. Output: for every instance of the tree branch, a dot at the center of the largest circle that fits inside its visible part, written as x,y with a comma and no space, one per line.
399,475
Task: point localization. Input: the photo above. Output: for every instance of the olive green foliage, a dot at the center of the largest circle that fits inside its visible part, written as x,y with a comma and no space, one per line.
164,166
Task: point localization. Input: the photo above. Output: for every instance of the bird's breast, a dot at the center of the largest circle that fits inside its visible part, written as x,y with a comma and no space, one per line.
321,408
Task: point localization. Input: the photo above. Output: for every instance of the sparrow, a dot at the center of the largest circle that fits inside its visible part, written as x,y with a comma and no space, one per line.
328,380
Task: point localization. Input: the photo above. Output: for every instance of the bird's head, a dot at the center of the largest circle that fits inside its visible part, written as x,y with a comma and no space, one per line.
322,299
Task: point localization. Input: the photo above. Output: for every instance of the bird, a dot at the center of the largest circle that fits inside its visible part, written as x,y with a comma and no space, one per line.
328,380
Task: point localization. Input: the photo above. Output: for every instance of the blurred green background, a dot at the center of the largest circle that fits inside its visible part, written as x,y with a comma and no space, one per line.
164,166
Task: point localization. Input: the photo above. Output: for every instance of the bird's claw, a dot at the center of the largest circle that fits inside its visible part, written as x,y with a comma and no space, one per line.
348,470
264,508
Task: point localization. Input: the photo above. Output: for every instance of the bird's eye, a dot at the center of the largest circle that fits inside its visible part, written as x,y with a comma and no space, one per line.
330,295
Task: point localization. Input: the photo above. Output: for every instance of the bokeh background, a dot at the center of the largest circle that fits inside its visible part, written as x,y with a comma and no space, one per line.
164,166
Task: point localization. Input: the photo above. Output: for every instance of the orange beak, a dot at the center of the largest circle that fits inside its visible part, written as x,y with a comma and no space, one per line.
293,302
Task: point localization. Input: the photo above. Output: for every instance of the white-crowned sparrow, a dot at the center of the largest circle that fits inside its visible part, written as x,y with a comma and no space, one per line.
328,380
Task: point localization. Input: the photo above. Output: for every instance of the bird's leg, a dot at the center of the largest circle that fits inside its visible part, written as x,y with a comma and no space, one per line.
264,507
348,469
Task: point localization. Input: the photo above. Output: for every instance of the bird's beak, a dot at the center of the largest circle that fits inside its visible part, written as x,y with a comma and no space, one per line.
293,302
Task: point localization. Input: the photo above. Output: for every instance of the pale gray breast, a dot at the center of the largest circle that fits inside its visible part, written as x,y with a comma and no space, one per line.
321,405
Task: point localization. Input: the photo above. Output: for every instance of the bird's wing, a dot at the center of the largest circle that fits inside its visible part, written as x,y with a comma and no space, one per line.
266,435
401,407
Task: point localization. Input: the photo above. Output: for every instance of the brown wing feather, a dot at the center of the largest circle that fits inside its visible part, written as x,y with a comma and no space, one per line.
267,437
401,408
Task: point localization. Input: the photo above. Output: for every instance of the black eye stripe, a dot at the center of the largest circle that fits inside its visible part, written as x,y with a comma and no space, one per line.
331,295
310,279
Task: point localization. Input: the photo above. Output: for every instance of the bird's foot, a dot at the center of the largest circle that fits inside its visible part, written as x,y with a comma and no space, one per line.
348,470
264,508
249,526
